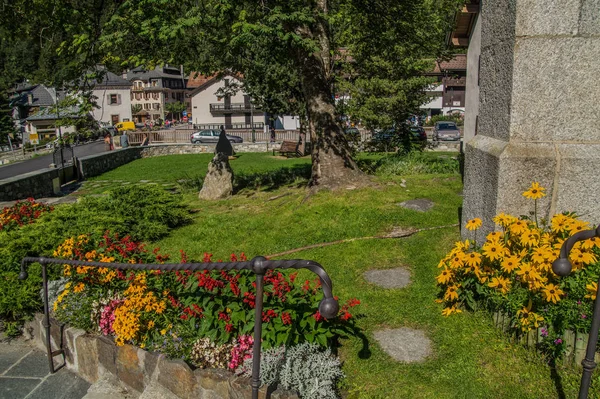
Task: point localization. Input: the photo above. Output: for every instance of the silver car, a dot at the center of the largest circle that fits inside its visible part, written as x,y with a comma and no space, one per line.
446,131
212,136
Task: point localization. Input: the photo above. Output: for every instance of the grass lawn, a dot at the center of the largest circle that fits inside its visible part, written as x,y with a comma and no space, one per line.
471,358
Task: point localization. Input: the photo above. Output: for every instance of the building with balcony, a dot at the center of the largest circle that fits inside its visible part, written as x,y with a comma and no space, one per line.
217,101
151,90
448,94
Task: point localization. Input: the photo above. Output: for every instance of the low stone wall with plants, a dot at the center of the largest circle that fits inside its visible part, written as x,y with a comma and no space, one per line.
93,357
38,184
94,165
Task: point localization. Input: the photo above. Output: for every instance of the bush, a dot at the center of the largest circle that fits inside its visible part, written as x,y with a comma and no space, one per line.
416,163
146,213
171,311
22,213
458,118
512,272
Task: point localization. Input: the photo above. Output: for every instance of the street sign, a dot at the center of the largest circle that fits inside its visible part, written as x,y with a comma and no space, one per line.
34,138
185,119
184,113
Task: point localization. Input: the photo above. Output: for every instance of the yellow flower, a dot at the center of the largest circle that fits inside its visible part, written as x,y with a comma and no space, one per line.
541,254
535,191
559,223
444,277
494,236
473,224
151,324
163,331
552,293
518,227
451,293
530,238
504,220
473,259
578,256
79,287
493,250
592,290
457,260
475,270
500,283
448,311
577,225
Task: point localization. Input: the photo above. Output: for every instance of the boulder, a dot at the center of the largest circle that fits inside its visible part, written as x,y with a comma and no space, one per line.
218,183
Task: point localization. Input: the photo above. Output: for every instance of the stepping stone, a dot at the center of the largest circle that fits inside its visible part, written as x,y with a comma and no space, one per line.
404,344
144,181
419,205
389,278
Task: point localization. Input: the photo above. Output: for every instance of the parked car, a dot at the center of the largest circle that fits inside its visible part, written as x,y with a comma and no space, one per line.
402,136
212,136
446,131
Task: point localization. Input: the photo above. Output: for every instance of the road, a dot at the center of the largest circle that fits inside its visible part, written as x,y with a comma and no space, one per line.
42,162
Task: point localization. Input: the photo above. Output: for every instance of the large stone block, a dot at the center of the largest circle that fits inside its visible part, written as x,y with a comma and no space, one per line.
555,90
177,377
107,355
589,22
87,357
128,367
497,22
551,17
494,104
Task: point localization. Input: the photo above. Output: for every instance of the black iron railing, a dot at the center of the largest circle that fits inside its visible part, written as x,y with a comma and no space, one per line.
328,307
233,107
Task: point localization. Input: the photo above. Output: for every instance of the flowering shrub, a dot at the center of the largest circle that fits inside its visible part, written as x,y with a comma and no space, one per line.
512,272
21,213
174,312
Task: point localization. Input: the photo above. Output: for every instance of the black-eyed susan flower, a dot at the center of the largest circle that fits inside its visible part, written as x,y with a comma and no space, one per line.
552,293
530,238
559,223
579,256
510,263
518,227
473,259
451,293
592,289
473,224
535,191
503,219
500,283
494,236
451,309
444,277
493,250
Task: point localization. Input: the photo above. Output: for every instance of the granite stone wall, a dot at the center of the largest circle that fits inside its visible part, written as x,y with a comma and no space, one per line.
538,110
41,183
96,358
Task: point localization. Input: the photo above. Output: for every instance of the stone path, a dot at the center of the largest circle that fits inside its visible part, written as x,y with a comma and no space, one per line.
419,205
390,278
24,374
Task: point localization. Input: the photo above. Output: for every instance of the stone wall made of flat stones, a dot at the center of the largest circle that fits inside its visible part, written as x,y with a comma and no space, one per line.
36,184
96,357
94,165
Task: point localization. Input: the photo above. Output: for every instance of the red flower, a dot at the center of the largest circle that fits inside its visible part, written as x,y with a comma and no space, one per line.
286,318
346,316
317,316
268,315
228,327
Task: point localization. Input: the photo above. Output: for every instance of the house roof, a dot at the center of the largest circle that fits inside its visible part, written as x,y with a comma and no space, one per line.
196,79
42,96
210,80
111,79
159,72
458,63
49,114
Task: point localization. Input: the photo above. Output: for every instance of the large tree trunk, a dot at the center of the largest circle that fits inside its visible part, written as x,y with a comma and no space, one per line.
332,163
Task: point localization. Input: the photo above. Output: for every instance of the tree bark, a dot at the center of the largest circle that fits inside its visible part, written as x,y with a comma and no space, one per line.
332,163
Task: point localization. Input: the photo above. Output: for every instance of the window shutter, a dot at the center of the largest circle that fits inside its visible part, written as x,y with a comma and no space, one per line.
108,99
118,99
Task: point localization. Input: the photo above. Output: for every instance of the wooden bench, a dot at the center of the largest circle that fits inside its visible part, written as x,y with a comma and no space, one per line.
289,147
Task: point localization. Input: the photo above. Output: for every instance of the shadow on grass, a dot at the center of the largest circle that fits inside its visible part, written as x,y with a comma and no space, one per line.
556,378
272,179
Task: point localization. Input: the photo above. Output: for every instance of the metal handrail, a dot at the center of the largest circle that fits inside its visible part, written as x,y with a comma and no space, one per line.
328,307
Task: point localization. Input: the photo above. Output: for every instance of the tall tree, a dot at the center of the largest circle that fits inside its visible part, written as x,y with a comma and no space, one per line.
287,47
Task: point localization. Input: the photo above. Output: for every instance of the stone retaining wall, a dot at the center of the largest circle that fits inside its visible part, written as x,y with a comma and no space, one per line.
38,184
96,357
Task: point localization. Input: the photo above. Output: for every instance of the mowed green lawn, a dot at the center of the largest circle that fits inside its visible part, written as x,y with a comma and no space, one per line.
471,359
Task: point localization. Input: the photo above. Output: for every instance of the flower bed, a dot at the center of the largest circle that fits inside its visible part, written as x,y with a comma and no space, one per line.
511,273
21,213
203,317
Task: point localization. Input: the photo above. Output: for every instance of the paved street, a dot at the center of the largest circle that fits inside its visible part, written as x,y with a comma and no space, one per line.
43,161
24,373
